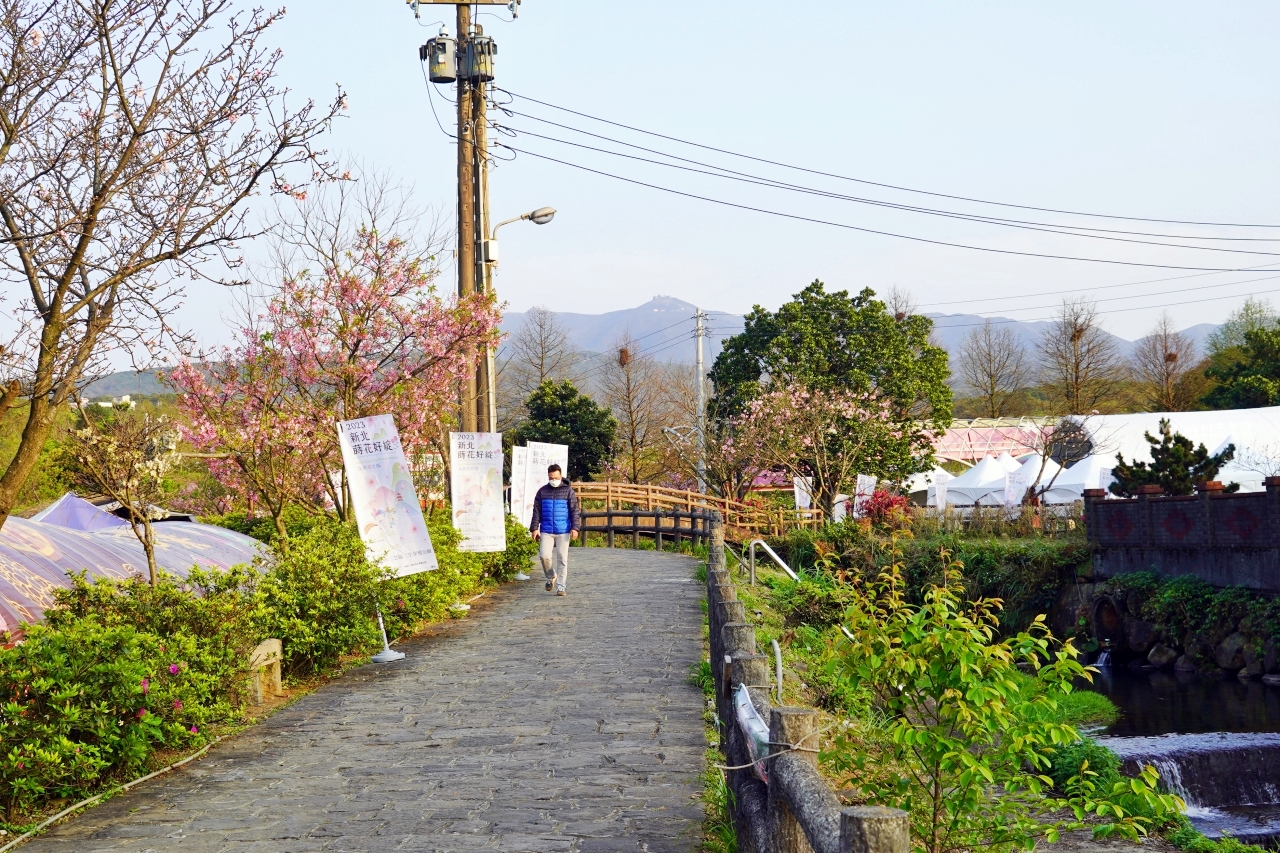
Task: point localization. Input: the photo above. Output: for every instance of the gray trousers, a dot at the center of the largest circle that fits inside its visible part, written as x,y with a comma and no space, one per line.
553,549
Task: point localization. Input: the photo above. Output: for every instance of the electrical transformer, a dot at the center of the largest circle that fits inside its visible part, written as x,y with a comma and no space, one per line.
441,54
477,59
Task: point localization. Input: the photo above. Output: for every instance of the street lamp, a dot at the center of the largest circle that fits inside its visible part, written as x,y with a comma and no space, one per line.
541,216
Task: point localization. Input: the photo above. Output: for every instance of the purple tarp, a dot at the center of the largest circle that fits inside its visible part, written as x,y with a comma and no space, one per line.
75,512
35,558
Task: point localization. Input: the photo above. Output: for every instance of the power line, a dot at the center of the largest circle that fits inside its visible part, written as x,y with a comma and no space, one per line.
885,185
1111,311
1077,289
748,177
864,230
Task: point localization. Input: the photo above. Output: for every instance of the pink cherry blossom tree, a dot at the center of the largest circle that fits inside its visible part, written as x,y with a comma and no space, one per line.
355,328
831,435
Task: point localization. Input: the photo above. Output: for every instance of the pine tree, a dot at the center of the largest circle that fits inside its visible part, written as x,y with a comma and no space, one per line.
1176,465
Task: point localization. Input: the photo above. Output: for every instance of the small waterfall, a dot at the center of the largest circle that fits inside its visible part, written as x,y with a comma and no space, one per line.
1104,659
1230,782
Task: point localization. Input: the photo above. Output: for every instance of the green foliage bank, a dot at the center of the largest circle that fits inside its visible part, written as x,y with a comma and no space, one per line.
121,670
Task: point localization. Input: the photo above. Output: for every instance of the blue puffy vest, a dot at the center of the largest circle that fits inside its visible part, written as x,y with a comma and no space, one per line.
555,516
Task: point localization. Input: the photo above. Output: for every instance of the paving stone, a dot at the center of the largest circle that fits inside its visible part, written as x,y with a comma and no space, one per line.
539,723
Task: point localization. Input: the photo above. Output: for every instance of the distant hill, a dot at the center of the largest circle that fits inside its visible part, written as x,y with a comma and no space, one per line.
143,383
663,328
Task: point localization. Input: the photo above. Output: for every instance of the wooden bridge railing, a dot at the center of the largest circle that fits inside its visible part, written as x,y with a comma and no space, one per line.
659,525
741,520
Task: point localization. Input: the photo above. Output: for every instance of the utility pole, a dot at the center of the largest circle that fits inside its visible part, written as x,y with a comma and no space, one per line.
470,60
466,260
700,332
486,390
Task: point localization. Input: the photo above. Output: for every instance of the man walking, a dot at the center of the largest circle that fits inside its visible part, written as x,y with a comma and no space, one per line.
557,518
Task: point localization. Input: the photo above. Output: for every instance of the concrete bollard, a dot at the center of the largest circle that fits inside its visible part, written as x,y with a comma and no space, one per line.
874,829
790,729
715,559
738,637
719,616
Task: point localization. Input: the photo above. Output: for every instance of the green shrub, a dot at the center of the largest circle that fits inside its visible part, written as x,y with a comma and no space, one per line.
958,742
815,599
87,700
297,521
320,597
1067,762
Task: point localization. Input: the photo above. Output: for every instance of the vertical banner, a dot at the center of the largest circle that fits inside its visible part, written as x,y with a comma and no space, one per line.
475,489
803,489
940,481
865,488
1015,488
519,473
539,457
386,504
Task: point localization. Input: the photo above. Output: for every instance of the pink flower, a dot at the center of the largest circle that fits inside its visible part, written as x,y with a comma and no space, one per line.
146,685
194,730
177,704
174,669
142,712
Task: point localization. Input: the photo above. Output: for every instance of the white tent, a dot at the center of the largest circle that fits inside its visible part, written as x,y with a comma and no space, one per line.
1247,467
1038,471
1008,463
982,484
1092,472
1258,429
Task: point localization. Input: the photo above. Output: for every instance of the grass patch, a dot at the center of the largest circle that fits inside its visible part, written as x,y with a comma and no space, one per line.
1077,708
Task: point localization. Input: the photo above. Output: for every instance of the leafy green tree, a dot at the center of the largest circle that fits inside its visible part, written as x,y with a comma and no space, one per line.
1225,343
559,414
834,340
950,736
1176,465
1249,376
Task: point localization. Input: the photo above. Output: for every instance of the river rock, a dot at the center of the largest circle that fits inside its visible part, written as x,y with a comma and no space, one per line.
1253,661
1140,635
1273,680
1185,663
1230,652
1271,656
1161,656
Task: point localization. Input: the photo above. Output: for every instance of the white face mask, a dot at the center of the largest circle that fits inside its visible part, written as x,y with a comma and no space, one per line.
554,481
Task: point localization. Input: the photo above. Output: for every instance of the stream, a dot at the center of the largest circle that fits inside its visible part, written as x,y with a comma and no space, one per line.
1216,743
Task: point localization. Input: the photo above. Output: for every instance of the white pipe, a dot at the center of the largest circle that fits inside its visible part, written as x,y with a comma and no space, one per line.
777,660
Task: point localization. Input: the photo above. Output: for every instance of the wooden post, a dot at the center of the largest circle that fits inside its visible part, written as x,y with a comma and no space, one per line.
793,730
608,520
657,531
874,829
715,557
635,528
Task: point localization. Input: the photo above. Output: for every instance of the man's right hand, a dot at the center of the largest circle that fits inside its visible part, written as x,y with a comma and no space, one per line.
536,533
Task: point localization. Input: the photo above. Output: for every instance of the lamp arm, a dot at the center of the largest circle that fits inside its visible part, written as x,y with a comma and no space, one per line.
493,235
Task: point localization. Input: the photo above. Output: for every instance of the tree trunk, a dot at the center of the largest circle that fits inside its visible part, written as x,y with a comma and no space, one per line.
282,536
40,418
149,546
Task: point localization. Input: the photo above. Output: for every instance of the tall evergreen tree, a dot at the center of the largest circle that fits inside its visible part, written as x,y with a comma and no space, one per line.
1176,465
559,414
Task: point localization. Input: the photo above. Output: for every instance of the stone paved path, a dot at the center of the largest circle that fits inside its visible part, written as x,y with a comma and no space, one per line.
538,724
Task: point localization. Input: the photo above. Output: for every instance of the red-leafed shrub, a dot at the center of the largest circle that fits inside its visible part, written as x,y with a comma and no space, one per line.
886,508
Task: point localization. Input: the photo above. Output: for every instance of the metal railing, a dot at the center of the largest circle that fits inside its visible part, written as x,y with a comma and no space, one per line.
776,559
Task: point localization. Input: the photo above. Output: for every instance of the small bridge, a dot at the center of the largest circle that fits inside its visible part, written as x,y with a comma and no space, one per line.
633,510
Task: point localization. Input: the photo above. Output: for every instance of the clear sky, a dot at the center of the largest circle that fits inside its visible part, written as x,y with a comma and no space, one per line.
1167,110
